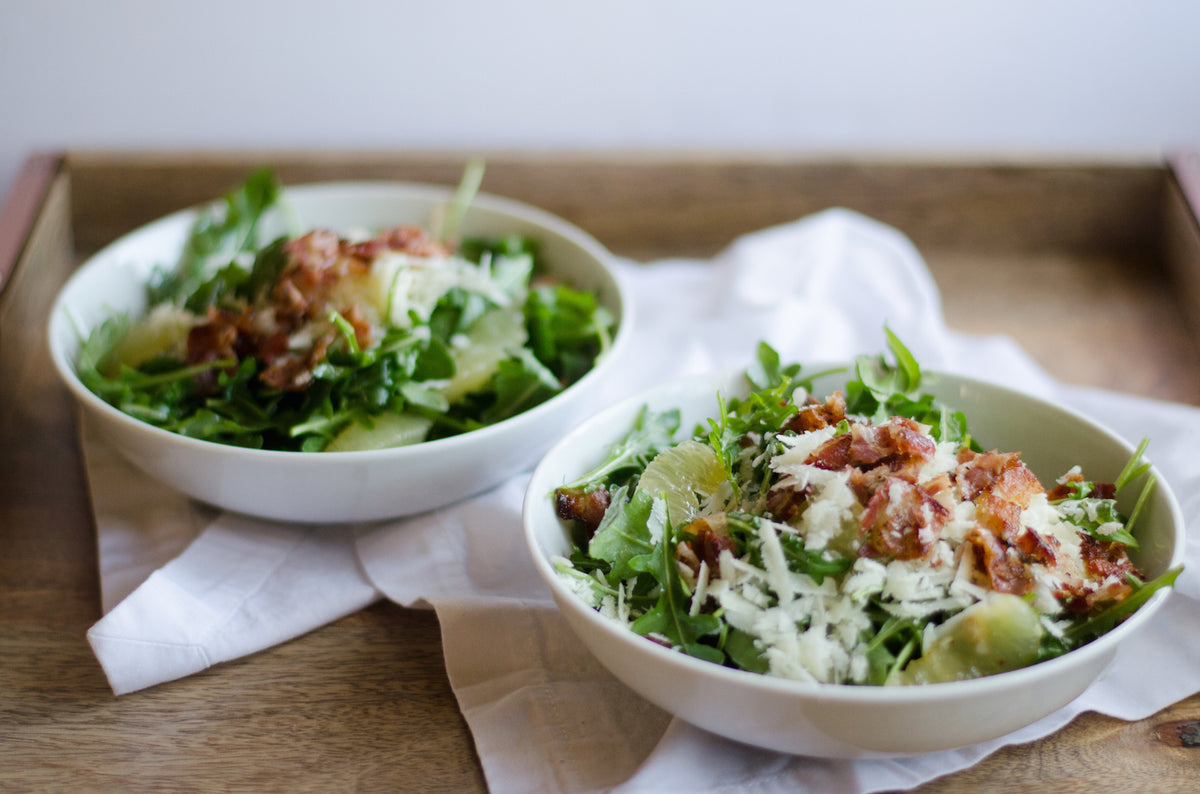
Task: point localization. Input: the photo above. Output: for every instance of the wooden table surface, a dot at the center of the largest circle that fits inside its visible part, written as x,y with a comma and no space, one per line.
1088,267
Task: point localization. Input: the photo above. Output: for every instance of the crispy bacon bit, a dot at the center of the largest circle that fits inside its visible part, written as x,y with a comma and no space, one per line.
815,415
705,538
833,455
977,471
1104,558
225,335
213,340
294,371
1063,488
587,507
901,521
941,488
316,262
787,503
898,445
1036,547
998,515
410,240
1005,570
1109,563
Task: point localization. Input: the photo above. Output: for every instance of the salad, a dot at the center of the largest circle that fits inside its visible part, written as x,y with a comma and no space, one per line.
340,340
863,537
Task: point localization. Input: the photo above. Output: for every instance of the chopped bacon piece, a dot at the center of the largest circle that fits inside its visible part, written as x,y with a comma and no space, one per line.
998,515
1063,488
316,262
314,252
901,521
271,347
403,239
1104,558
1001,473
978,472
833,455
898,445
294,371
211,341
1036,547
706,537
787,503
587,507
941,488
816,415
225,335
1083,596
1005,570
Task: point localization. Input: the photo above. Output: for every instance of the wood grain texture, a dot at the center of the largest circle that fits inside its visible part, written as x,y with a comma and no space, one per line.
1081,264
687,205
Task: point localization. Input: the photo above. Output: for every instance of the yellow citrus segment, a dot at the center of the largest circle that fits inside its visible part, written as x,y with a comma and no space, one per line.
489,341
685,475
387,430
164,330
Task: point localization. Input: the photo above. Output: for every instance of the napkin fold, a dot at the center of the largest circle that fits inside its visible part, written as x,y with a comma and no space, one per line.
186,587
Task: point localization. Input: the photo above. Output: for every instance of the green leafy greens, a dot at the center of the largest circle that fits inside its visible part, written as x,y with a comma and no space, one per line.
408,369
654,572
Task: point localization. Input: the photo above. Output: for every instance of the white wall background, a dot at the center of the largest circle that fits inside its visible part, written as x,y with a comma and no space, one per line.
1074,78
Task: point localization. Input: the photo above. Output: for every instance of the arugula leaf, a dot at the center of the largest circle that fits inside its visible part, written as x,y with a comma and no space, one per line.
882,390
1091,515
521,382
624,533
812,563
909,368
94,351
568,329
218,236
1087,630
890,648
765,373
468,186
670,617
652,432
1134,467
742,651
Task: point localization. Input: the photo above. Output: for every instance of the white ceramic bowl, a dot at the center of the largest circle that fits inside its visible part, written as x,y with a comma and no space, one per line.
335,486
840,721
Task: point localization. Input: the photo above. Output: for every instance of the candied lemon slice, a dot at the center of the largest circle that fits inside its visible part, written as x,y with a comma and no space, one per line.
686,476
387,430
488,341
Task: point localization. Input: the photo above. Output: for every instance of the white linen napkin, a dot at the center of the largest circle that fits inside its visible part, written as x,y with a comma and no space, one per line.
543,713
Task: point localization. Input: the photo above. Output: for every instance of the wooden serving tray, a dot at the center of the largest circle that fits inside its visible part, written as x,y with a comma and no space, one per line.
1093,267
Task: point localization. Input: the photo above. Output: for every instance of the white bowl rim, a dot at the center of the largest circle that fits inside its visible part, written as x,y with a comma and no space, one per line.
845,693
360,188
